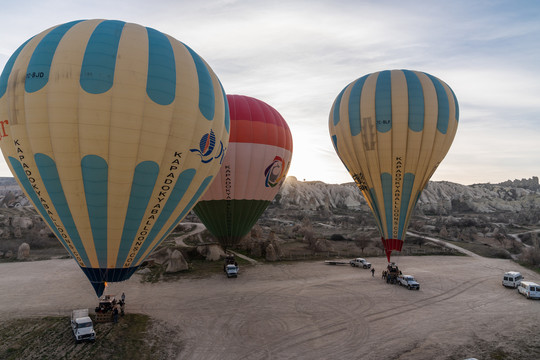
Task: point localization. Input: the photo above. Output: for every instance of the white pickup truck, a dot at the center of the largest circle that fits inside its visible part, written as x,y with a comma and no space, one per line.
408,281
231,270
82,326
359,262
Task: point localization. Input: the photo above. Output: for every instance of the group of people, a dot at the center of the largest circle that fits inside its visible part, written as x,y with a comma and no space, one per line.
116,306
391,273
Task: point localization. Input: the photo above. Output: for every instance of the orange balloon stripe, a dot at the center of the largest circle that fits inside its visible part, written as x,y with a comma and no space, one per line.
257,132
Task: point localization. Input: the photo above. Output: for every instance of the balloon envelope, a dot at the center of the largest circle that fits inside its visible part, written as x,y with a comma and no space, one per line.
255,166
114,131
391,129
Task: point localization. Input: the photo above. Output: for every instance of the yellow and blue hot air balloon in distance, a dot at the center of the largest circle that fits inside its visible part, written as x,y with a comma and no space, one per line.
114,131
391,130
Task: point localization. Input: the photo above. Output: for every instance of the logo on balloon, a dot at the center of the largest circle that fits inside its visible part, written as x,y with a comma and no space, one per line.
207,145
274,172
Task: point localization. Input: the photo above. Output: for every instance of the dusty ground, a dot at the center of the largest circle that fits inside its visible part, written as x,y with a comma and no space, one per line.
310,310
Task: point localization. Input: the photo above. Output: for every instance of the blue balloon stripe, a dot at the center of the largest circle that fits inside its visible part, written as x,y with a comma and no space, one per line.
456,104
406,193
355,116
337,105
9,67
227,114
207,101
372,199
334,142
206,182
383,102
49,175
19,174
178,192
386,182
443,115
95,175
97,70
144,180
416,101
39,67
418,193
161,78
98,276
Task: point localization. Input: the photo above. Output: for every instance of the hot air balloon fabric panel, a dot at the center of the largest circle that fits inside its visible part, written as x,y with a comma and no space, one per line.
104,122
391,129
256,164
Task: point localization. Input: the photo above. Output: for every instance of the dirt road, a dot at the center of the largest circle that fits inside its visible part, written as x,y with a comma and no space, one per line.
310,310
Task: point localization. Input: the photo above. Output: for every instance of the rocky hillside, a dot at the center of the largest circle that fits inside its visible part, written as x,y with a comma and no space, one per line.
438,198
11,195
513,203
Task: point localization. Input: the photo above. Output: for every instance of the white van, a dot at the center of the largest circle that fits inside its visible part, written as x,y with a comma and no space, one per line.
529,289
512,279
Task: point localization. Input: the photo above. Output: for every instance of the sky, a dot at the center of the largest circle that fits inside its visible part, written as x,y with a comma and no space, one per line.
297,55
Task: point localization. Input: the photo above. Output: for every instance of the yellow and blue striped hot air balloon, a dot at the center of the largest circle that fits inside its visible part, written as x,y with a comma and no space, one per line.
391,130
114,131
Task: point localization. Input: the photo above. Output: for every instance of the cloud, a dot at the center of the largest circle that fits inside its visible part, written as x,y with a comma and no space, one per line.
298,55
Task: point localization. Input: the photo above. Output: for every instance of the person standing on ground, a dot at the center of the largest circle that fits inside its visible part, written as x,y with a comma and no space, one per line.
115,314
372,272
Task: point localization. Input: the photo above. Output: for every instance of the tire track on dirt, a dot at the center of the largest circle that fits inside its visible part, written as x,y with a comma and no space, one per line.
444,296
329,329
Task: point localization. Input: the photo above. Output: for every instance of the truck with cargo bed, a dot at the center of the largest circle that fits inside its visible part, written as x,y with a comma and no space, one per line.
360,262
82,326
408,281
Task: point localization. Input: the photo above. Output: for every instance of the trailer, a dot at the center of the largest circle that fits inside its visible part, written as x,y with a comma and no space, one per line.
336,262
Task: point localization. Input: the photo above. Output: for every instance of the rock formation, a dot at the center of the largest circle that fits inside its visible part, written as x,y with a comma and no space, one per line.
24,252
176,262
271,254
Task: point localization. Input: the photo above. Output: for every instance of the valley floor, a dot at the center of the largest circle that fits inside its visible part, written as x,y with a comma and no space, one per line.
309,310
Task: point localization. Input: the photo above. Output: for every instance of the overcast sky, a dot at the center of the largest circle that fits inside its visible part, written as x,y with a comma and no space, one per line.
298,55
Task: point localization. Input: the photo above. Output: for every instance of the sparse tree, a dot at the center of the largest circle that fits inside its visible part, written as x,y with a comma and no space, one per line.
379,245
534,240
501,239
531,256
420,241
362,241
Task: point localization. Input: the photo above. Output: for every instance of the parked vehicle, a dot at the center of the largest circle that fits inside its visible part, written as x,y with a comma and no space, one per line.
359,262
512,279
231,267
82,326
408,281
529,289
231,270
